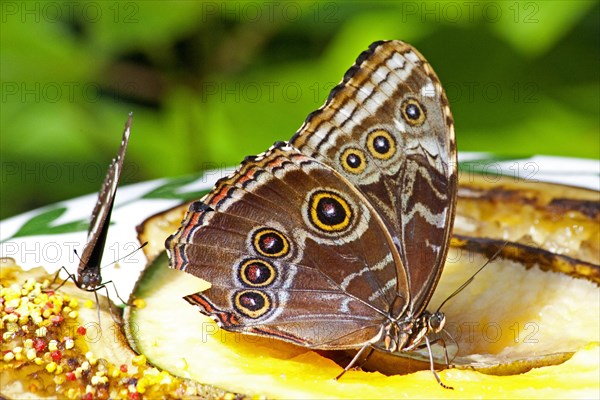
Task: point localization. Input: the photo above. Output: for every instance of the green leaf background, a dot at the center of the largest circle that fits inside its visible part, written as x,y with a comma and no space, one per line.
211,82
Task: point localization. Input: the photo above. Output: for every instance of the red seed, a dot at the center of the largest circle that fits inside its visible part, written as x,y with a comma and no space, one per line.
56,355
134,396
81,330
57,319
50,304
123,367
88,396
70,376
39,344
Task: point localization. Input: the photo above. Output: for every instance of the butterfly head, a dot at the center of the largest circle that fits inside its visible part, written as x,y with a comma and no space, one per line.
408,333
436,321
90,279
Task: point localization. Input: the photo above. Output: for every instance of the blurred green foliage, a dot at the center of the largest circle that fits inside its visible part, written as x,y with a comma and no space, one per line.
210,82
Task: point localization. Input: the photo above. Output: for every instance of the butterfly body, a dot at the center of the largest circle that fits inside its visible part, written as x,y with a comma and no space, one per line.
336,240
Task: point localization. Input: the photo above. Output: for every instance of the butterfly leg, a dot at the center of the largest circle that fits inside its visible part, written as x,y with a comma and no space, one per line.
432,365
115,288
112,312
364,361
70,276
355,359
443,344
98,305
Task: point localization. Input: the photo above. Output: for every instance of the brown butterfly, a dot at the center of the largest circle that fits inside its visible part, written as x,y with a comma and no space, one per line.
89,277
337,239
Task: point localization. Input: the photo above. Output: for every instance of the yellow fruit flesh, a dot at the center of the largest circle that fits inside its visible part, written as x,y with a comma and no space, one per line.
518,303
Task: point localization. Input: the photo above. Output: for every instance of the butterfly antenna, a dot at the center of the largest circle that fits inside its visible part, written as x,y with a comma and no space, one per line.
126,255
468,281
77,254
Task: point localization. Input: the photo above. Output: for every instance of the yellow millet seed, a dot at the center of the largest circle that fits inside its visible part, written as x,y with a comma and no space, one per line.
88,304
139,303
29,284
37,318
52,345
69,343
141,386
13,302
114,371
31,354
165,378
139,360
38,361
73,314
90,357
41,332
11,318
9,356
12,327
51,367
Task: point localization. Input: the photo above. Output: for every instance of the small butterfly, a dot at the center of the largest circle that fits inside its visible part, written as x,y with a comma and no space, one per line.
89,277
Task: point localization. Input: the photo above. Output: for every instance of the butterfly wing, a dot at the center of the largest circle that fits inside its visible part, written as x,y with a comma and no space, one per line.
88,273
387,128
292,250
